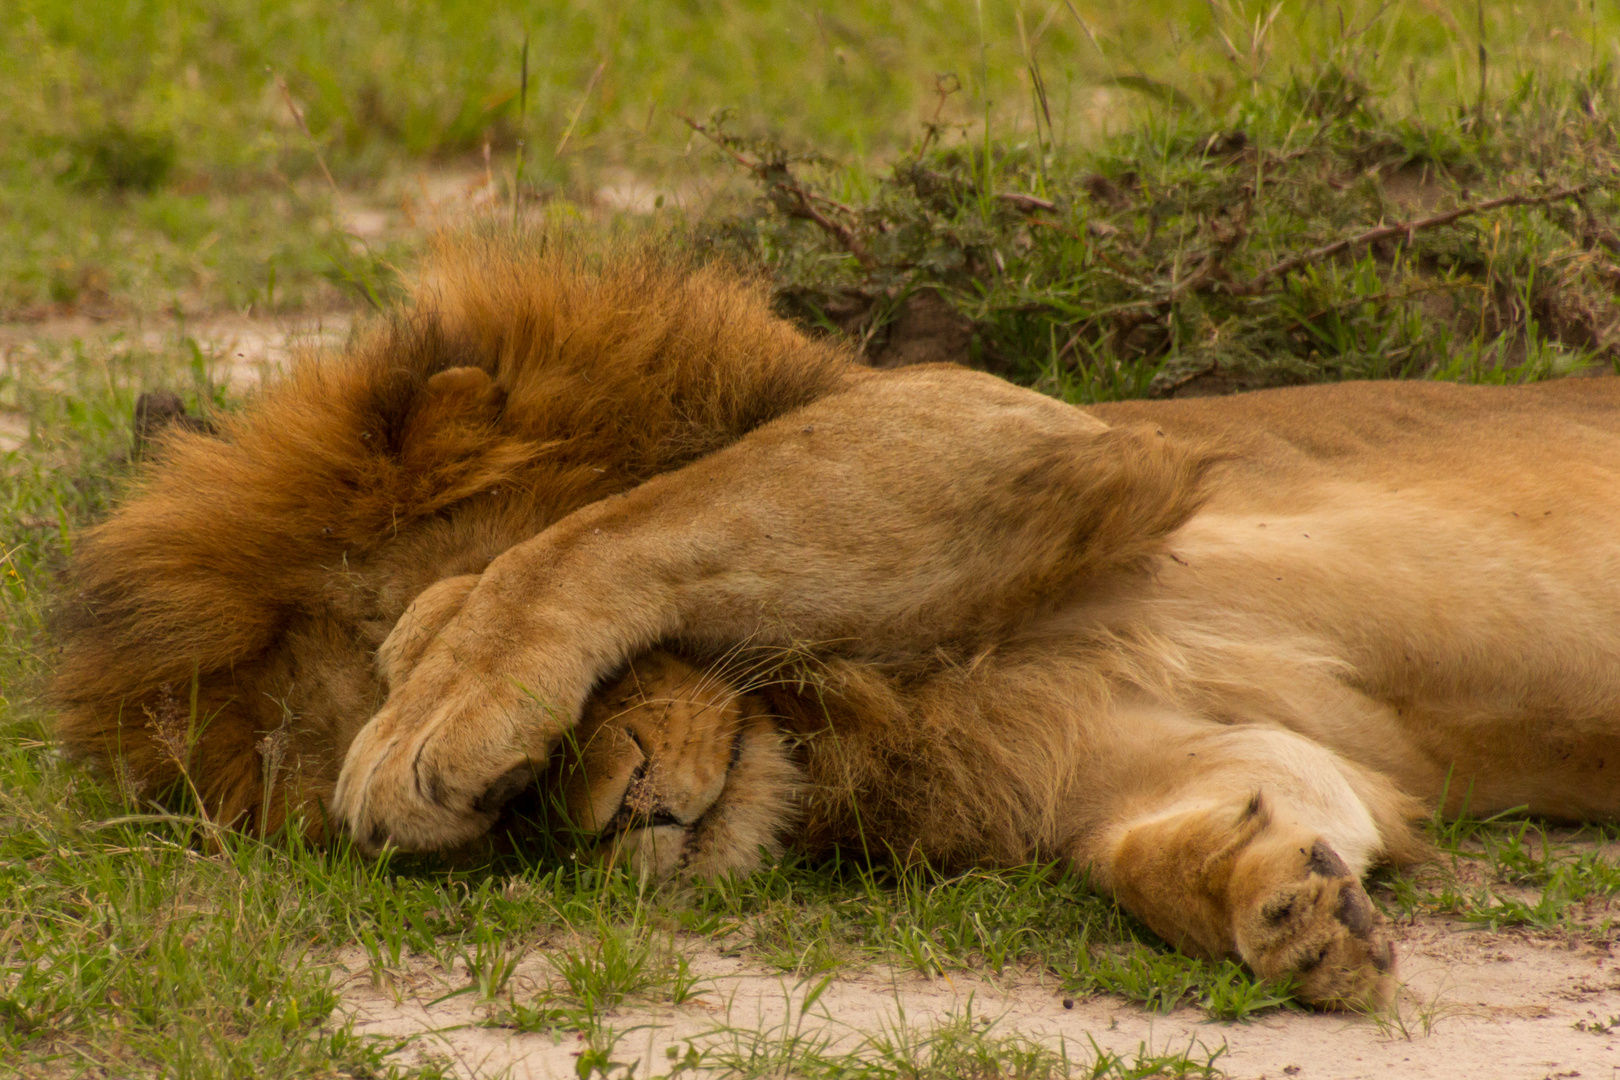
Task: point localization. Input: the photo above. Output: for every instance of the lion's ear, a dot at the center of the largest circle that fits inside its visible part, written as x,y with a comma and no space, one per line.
464,383
420,625
454,408
454,443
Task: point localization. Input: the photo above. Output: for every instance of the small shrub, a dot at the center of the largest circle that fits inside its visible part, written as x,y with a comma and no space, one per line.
117,158
1298,234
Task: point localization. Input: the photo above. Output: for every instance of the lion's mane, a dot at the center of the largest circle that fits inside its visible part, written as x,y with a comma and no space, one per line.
223,619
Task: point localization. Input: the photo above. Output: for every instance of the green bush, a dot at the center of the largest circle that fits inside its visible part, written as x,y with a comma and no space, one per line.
116,158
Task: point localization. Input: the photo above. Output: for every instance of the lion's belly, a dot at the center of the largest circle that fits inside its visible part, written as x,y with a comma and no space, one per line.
1473,632
1429,576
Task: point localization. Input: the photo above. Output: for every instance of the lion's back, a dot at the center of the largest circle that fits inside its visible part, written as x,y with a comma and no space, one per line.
1441,433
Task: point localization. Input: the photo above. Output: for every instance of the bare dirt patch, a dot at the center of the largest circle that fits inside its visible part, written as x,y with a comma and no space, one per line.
1475,1003
242,350
13,430
234,352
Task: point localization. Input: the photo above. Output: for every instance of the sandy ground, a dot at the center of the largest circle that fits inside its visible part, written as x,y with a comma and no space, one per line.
1475,1004
241,351
13,430
245,348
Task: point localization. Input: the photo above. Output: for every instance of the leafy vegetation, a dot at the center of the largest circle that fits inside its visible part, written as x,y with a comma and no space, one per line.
162,155
1511,872
1303,235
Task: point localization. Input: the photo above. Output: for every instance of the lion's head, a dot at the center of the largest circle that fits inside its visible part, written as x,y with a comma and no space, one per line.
224,620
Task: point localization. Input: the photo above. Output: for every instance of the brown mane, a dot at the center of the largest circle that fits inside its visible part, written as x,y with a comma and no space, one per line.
256,572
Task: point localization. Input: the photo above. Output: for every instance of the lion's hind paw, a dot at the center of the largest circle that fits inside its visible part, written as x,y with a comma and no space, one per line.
1321,931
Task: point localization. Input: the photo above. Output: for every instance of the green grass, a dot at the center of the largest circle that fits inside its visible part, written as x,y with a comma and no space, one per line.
1516,873
149,156
956,1045
1509,871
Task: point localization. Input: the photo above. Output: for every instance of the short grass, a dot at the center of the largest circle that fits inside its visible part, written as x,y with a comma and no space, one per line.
1511,872
157,155
149,160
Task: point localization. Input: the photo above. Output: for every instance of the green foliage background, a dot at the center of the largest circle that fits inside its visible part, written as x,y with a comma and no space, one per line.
232,184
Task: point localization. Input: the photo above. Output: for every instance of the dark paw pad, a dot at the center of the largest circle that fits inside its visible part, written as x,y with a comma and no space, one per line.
1325,862
1356,912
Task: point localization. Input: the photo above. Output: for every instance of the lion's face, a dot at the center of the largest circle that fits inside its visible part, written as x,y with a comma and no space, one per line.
678,774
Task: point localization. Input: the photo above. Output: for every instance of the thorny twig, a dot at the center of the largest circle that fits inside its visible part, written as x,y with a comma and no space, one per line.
1402,228
792,197
1173,385
1027,203
1019,200
1383,298
945,85
303,125
1138,312
562,143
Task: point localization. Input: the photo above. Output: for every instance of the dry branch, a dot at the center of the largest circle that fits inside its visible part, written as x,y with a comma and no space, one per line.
1404,228
1027,203
960,188
1129,316
792,197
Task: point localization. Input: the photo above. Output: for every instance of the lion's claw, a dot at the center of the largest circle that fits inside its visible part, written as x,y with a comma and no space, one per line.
457,738
388,796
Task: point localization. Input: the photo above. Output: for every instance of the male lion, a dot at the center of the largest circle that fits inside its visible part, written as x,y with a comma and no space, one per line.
610,523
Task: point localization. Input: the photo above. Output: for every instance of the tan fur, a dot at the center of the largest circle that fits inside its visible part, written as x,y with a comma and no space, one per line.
1221,653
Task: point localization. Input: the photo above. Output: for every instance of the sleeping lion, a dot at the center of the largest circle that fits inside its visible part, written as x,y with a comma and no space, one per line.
605,525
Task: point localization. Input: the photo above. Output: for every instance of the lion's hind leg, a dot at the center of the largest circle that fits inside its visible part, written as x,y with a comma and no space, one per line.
1251,842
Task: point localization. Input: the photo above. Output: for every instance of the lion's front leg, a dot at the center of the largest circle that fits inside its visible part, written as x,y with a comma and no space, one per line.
1257,852
915,508
480,689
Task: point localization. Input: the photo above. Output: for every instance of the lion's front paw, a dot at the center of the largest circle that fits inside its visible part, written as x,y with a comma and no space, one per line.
475,707
433,768
1321,931
677,773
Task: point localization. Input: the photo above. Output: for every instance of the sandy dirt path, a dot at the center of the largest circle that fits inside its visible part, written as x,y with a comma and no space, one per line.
239,352
1475,1004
